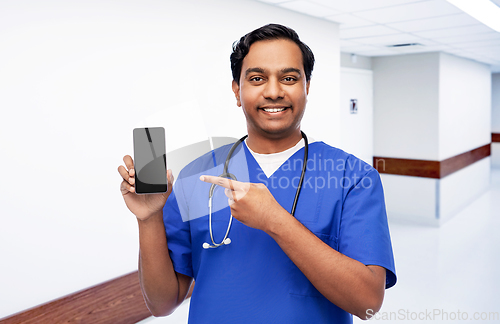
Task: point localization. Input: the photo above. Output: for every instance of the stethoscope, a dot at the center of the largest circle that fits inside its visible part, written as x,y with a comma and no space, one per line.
225,174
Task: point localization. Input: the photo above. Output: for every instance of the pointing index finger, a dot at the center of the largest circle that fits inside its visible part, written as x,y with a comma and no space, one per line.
223,182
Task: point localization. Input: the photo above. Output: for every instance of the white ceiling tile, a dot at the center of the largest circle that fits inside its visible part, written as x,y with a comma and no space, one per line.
309,8
449,32
494,59
454,51
358,5
486,43
450,21
467,55
359,48
490,61
389,39
379,52
417,10
458,53
469,38
349,21
272,1
345,43
369,31
437,48
479,58
470,55
493,51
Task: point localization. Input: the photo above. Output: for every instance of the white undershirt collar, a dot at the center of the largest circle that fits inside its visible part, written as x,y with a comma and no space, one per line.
269,163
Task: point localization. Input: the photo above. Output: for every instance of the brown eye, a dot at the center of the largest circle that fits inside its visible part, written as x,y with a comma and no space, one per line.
256,79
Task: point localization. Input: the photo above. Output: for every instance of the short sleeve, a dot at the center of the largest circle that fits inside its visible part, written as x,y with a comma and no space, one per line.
364,230
178,235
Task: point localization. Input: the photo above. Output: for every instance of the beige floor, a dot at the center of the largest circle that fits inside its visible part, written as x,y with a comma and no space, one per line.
448,274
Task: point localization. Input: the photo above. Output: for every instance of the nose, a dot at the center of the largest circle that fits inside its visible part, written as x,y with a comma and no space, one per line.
273,90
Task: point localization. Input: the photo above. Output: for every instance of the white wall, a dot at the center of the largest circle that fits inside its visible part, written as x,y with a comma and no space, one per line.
434,201
495,103
431,106
464,105
405,94
461,188
357,129
355,61
76,78
464,124
411,199
495,155
495,118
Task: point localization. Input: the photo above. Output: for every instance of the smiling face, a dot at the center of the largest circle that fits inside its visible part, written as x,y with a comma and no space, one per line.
273,90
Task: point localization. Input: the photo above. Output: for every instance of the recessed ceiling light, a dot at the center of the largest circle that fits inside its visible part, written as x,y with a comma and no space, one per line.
483,10
407,47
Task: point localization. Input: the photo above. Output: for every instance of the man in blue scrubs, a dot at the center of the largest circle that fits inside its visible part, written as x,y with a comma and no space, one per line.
333,258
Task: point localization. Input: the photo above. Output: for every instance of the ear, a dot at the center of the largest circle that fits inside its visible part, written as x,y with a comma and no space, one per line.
307,86
236,90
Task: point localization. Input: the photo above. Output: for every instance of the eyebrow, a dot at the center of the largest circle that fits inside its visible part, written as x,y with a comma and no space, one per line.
260,70
288,70
253,70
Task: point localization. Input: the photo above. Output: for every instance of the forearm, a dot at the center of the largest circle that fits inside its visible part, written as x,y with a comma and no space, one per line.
346,282
159,282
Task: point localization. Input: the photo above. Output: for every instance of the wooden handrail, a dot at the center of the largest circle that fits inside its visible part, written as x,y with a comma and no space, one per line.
430,169
117,301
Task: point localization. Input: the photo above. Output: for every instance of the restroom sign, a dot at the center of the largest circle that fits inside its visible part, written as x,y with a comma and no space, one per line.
354,106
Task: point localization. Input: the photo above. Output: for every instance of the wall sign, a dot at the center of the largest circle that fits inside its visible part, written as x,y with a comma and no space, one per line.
353,106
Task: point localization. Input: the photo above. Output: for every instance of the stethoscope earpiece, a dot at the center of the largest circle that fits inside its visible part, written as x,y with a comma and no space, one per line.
226,240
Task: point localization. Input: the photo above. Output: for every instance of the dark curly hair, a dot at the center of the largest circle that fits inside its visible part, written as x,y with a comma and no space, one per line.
268,32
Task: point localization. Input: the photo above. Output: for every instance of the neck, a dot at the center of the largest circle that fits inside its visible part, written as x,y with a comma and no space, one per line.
268,145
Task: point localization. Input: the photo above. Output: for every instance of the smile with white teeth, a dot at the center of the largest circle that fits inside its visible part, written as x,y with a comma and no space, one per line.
273,110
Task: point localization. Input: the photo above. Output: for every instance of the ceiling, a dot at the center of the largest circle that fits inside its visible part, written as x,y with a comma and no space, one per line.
371,27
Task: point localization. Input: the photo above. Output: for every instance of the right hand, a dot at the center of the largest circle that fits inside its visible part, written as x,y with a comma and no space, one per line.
142,206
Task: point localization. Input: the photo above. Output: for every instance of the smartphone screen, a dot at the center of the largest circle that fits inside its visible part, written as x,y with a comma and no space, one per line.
150,160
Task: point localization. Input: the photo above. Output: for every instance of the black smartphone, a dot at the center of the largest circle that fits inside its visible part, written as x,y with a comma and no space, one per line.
150,160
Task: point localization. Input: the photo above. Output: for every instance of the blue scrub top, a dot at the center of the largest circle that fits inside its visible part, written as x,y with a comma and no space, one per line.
252,280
